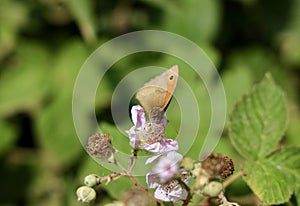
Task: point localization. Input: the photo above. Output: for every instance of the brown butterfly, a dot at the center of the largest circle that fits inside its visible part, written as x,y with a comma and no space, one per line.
156,94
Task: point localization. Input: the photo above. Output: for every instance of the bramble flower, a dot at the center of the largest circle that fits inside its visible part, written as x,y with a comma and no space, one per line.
148,135
171,191
162,147
167,166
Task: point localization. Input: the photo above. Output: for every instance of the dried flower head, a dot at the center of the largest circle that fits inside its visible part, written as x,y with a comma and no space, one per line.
151,132
99,145
148,135
217,165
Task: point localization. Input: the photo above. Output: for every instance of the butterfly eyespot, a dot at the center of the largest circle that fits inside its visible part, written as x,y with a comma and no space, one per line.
171,77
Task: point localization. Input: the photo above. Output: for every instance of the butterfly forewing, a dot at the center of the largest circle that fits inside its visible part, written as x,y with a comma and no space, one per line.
158,92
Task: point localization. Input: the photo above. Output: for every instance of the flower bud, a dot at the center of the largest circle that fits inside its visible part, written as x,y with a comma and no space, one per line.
151,132
86,194
213,189
91,180
201,179
187,163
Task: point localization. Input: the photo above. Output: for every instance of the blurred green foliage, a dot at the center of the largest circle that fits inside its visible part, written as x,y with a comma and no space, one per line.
44,43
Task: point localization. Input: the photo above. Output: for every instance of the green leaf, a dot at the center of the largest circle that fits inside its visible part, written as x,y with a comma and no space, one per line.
14,15
56,130
289,160
268,181
67,64
258,121
193,19
274,179
25,82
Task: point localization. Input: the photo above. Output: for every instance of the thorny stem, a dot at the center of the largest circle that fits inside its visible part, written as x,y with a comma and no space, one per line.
109,178
233,178
132,160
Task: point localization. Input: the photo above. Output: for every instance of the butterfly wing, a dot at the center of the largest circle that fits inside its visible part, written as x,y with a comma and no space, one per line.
158,92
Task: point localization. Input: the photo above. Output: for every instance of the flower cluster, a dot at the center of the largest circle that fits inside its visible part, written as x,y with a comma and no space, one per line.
148,135
170,174
166,176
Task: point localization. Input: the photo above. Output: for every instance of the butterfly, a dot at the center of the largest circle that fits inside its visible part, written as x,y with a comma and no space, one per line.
156,94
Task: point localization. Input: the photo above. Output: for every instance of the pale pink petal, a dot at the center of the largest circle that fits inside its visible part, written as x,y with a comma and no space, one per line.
133,137
152,159
154,148
166,173
161,147
138,116
176,194
174,156
152,180
168,145
167,166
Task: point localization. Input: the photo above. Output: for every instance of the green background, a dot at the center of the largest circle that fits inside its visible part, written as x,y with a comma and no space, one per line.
44,43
